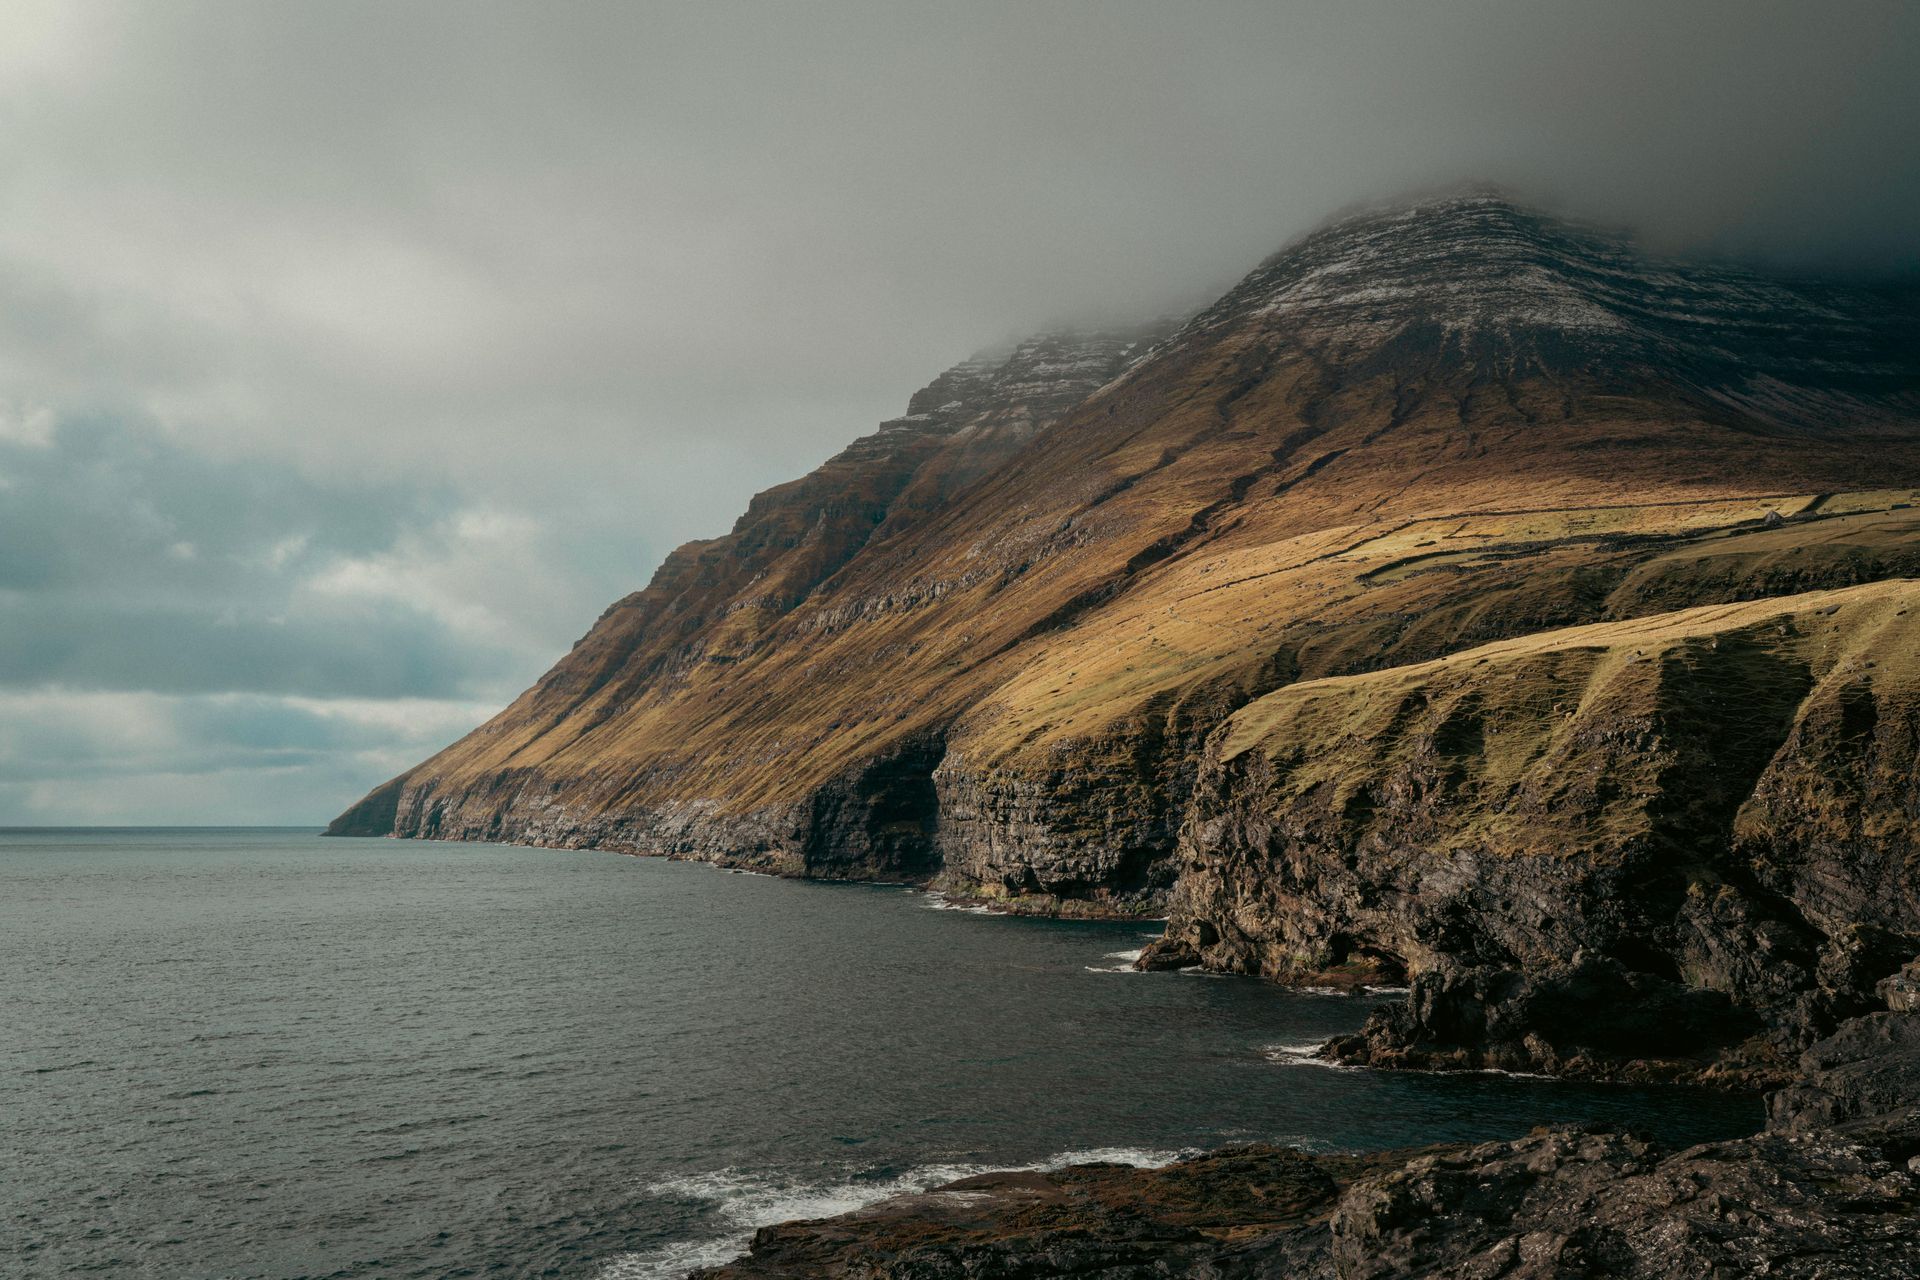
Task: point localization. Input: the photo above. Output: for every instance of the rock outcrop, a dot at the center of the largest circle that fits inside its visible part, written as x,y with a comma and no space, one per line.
1674,846
1828,1191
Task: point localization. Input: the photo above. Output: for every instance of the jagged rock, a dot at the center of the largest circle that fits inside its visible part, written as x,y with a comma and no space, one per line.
1868,1070
1830,1192
1567,1203
1552,1206
1111,1221
1902,990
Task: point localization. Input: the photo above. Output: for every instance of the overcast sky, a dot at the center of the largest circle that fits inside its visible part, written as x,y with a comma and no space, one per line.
355,356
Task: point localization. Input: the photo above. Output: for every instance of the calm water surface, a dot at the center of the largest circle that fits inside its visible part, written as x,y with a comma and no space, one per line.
255,1053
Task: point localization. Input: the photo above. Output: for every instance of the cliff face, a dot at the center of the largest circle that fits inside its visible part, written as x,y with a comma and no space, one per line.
989,643
1627,847
662,656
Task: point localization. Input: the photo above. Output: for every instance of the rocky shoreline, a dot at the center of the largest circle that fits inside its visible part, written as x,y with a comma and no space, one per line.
1830,1188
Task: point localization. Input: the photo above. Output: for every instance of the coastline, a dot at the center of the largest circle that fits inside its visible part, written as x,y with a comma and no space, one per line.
1823,1188
1829,1187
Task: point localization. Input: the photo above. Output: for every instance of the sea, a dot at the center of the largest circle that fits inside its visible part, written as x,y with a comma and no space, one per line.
232,1053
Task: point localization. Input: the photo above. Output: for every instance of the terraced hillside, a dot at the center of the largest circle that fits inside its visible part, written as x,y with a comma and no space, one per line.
989,644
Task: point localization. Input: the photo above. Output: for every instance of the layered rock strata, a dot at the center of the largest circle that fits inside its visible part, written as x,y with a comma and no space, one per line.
1679,846
988,643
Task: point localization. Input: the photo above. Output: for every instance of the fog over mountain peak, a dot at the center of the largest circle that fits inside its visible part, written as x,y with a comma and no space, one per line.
583,281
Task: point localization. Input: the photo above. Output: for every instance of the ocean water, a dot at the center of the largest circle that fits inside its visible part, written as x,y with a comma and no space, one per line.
256,1053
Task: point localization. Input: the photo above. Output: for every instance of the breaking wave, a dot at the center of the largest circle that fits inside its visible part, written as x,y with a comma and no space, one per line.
1304,1054
937,901
745,1201
1121,962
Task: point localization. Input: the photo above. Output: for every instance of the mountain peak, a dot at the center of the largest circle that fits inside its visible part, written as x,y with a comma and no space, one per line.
1467,262
1477,278
1036,378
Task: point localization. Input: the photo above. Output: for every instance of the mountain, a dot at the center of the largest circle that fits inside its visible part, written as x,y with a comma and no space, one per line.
1475,592
1466,600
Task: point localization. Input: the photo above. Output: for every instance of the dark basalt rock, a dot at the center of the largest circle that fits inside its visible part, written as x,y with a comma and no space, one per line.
1110,1221
1567,1203
1902,990
1594,1018
1826,1193
1864,1079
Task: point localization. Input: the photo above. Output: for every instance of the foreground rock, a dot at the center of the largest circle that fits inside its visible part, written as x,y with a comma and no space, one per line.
1097,1219
1825,1192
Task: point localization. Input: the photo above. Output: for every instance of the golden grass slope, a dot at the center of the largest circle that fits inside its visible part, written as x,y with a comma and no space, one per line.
1007,673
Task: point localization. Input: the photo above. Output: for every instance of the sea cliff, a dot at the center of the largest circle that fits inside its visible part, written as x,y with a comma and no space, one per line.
1466,600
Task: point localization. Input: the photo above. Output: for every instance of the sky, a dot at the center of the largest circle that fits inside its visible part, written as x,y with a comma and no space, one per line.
355,356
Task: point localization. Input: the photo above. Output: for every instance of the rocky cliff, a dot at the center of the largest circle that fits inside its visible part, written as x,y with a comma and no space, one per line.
1675,845
1464,600
988,643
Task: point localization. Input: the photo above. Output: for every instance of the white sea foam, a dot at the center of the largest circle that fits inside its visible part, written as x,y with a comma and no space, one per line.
1304,1054
748,1201
1387,991
938,901
1122,962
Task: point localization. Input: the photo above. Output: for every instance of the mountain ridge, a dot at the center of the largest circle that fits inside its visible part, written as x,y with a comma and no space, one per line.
1554,669
1242,430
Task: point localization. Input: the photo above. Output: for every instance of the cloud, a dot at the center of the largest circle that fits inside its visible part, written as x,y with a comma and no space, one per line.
362,351
146,758
127,562
184,637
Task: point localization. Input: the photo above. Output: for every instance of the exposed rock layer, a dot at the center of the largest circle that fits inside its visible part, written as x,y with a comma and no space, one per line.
988,641
1675,845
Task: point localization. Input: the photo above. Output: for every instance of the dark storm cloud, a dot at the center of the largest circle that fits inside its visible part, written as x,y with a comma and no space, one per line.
129,563
427,329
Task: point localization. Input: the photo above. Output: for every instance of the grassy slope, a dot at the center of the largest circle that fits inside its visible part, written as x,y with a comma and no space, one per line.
1167,535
